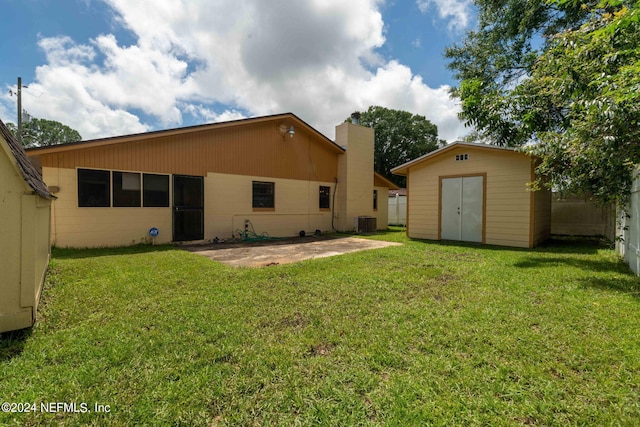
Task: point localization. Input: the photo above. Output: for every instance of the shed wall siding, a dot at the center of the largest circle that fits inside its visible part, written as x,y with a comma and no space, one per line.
12,187
507,211
24,247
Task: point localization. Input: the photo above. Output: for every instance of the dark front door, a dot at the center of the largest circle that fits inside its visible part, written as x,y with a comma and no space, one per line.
188,208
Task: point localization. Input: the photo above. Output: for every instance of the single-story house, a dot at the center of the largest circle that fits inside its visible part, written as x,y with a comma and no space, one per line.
476,193
25,213
273,174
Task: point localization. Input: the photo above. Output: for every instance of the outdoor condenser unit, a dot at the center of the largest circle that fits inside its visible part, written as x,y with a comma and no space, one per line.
365,224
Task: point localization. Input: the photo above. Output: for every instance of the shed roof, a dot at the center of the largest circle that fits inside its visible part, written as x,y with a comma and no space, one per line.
30,174
404,168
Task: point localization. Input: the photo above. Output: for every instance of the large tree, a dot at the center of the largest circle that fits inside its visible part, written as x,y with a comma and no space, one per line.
43,132
563,77
399,137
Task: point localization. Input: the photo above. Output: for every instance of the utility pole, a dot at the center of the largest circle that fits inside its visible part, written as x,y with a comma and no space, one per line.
20,110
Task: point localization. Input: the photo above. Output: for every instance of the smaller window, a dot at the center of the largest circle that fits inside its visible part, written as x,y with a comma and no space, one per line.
126,189
461,157
94,188
325,197
263,195
375,200
155,191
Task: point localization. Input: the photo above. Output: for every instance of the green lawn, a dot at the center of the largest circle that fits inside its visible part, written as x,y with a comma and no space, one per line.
419,334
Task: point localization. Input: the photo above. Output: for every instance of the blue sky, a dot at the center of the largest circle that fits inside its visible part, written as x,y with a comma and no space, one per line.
113,67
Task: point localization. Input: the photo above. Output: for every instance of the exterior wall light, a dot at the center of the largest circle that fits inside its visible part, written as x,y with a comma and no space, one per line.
285,129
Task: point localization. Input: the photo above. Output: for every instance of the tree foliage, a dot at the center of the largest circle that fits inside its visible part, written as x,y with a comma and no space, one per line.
43,132
563,76
399,137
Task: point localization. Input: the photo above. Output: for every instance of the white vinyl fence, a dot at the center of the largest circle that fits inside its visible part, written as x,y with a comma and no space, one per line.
397,210
629,229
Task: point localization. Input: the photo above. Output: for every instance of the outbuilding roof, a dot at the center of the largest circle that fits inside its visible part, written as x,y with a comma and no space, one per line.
28,171
404,168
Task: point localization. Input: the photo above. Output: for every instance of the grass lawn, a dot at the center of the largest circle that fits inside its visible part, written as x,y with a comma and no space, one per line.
419,334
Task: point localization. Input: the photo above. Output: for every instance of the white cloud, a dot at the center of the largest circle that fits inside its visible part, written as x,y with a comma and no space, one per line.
316,59
458,12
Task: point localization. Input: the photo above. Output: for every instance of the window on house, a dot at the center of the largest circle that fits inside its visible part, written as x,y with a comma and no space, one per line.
94,188
375,200
325,197
155,193
263,194
126,189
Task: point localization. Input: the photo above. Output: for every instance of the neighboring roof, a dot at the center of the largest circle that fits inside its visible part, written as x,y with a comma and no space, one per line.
403,169
179,131
398,192
29,172
383,182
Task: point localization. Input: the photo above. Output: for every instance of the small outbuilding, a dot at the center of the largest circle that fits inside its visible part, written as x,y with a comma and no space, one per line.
25,215
476,193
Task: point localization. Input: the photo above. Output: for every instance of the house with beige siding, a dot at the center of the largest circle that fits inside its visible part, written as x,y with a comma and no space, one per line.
476,193
273,174
25,206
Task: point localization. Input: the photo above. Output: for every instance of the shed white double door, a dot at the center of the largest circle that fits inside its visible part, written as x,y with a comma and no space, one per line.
461,203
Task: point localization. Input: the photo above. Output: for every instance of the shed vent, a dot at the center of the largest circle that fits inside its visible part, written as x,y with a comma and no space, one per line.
365,224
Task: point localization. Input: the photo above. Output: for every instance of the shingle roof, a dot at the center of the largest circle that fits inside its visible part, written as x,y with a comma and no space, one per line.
29,172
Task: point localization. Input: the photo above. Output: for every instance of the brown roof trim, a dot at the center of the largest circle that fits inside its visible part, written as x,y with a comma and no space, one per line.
29,172
179,131
403,169
388,183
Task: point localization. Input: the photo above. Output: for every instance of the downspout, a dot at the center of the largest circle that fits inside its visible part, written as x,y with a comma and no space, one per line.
333,207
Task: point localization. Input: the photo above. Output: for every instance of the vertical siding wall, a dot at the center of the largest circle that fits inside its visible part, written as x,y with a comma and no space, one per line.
508,203
252,149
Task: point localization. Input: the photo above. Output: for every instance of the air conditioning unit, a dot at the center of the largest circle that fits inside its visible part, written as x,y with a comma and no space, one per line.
365,224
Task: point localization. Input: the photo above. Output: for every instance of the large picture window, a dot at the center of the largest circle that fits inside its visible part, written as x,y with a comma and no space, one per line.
126,189
263,195
325,197
156,190
94,188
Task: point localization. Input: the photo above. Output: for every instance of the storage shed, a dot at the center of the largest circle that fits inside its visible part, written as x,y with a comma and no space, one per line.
476,193
25,214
